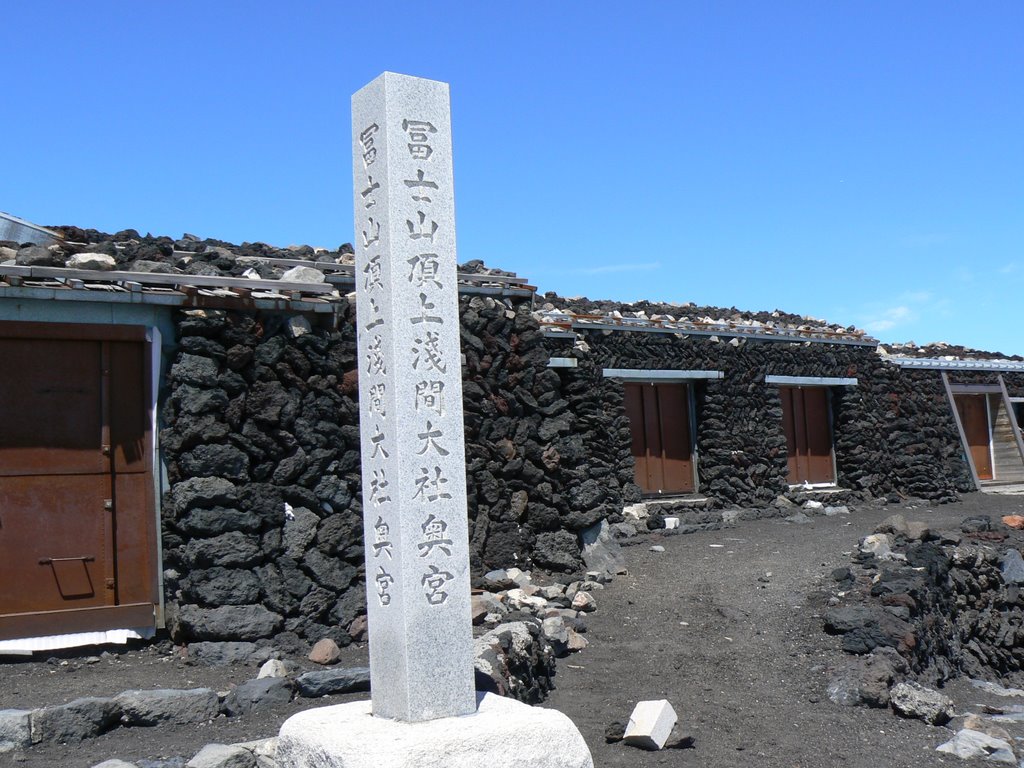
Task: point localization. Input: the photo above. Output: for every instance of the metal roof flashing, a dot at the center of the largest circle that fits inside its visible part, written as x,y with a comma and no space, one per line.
956,364
567,324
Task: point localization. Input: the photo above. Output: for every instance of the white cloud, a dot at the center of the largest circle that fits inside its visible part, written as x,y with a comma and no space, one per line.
889,318
611,268
916,297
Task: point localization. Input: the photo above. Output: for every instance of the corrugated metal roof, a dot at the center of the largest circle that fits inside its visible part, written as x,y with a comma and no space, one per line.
956,364
556,323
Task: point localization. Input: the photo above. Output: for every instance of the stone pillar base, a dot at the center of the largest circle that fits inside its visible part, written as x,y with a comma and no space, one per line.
503,733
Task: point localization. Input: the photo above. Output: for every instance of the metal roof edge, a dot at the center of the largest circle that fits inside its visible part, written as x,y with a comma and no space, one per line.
959,364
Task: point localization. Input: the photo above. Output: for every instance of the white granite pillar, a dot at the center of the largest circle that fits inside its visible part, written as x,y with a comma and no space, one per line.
410,394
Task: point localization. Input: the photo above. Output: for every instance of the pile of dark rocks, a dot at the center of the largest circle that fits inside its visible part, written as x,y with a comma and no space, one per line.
926,605
129,251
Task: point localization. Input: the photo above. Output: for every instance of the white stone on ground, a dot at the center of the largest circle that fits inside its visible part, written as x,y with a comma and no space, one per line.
877,544
650,724
15,731
912,699
968,744
222,756
115,763
503,733
584,602
273,668
264,750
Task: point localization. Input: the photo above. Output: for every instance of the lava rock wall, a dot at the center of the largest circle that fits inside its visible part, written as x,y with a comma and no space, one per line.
894,433
262,529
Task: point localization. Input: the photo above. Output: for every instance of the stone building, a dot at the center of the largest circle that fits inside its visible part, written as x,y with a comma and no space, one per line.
181,442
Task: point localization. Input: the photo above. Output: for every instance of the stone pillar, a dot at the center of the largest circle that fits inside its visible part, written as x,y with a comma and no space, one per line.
410,402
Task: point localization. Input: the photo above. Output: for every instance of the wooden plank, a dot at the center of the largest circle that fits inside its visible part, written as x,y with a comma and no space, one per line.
974,417
819,435
40,624
161,278
652,432
789,428
960,428
19,329
1012,415
674,409
635,413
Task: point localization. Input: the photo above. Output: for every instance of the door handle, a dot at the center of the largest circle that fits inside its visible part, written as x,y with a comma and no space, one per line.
52,560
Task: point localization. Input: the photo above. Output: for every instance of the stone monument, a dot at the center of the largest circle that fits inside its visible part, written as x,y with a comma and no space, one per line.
424,709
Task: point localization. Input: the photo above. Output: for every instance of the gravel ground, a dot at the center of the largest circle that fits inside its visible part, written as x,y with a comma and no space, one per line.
724,624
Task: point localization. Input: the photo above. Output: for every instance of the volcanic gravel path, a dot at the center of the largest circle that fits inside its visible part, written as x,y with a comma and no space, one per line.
724,624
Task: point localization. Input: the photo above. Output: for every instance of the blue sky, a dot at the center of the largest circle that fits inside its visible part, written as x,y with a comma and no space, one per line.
857,161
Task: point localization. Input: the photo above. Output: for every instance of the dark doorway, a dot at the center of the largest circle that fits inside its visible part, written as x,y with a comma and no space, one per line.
806,421
659,419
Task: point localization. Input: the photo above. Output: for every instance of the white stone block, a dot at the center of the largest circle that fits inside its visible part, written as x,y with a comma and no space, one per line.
671,522
650,724
273,668
503,733
15,732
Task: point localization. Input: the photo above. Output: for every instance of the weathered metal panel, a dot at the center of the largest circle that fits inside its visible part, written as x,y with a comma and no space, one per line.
38,624
20,231
53,539
77,515
51,408
129,420
136,567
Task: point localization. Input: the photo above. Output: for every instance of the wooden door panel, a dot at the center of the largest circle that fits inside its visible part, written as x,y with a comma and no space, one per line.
635,412
661,438
129,419
806,423
77,528
51,407
652,434
136,565
819,435
974,418
674,403
54,546
789,428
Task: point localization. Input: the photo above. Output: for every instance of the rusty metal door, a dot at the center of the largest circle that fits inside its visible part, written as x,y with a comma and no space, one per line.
806,422
76,512
659,417
974,417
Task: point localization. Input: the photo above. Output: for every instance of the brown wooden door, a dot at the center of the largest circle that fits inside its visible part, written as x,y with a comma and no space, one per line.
659,418
77,534
973,412
806,422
